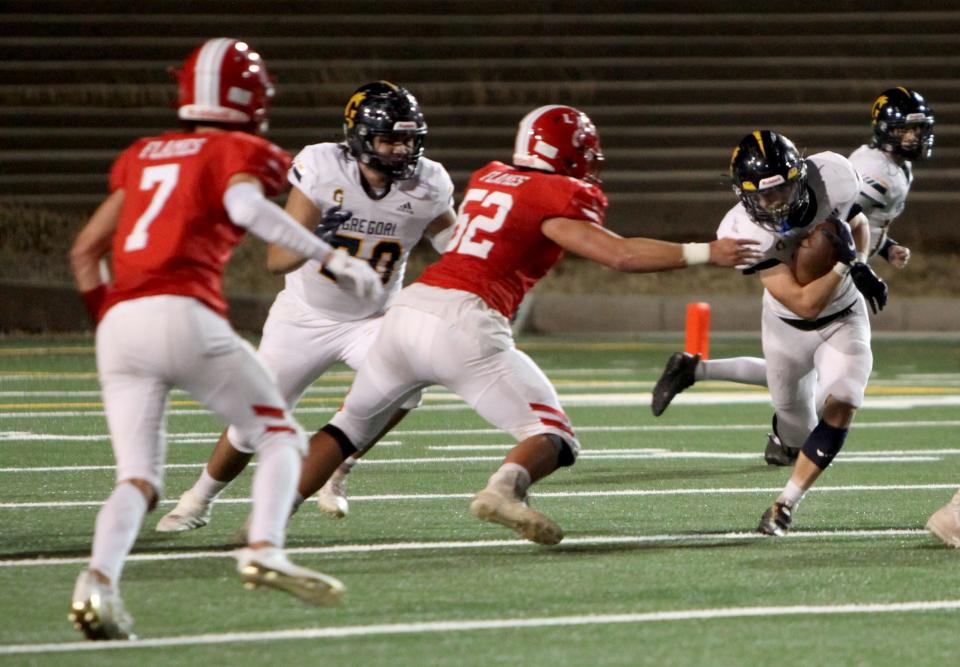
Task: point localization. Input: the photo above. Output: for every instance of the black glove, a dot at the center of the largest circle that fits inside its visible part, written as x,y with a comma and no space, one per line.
842,241
870,285
330,223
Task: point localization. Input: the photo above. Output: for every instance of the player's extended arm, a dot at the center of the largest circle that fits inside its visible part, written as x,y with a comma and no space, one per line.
807,301
440,230
643,255
248,208
89,248
281,260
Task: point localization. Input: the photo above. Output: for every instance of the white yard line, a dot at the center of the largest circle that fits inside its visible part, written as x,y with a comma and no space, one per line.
856,488
23,436
436,627
874,456
602,399
490,544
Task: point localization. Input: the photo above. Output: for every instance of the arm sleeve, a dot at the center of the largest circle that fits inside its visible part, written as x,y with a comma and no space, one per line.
248,208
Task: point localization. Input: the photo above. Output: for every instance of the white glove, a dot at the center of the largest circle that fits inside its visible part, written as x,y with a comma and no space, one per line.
354,276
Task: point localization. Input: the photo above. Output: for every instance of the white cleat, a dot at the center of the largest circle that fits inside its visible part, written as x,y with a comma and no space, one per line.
189,514
97,611
515,513
945,522
271,567
332,497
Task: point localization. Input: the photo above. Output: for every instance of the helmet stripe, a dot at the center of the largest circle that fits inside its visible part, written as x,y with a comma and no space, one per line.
206,82
759,138
523,132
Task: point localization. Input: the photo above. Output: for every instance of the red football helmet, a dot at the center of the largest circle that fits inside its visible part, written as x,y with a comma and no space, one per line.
561,140
225,81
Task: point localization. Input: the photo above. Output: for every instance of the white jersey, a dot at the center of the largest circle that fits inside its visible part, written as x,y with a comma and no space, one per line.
833,185
381,231
883,191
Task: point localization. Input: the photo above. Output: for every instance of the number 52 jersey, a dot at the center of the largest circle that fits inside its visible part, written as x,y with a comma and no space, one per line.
498,250
382,231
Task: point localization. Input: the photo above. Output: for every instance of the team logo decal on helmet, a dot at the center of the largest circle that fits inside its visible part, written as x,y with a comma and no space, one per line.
387,110
561,140
225,81
894,113
770,177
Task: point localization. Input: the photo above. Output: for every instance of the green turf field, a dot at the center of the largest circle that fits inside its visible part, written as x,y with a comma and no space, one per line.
659,565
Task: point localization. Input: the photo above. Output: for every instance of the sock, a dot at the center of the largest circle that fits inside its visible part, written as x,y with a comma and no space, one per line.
511,479
274,488
207,488
347,465
746,370
792,494
116,530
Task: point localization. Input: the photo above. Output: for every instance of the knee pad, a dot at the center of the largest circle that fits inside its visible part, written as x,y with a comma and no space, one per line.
824,443
567,453
347,448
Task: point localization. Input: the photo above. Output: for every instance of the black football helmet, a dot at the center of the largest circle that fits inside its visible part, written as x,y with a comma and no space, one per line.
770,177
900,108
383,108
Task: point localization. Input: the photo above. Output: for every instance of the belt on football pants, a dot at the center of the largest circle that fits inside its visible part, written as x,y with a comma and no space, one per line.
813,325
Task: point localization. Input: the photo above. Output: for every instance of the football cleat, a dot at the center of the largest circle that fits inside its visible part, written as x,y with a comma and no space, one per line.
776,520
945,522
777,453
514,513
97,611
677,376
332,496
189,514
270,567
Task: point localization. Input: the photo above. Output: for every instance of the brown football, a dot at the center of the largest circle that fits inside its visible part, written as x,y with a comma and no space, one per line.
815,255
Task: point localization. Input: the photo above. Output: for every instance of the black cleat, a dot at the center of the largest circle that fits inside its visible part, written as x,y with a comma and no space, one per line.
776,520
677,376
777,453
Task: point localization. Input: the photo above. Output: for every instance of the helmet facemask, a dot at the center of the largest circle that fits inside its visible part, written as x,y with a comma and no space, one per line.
395,166
779,207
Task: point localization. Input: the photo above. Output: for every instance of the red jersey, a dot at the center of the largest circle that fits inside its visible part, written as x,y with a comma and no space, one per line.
174,235
498,251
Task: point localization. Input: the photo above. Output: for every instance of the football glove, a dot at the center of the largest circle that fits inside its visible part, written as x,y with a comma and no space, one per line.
354,276
842,241
330,223
870,285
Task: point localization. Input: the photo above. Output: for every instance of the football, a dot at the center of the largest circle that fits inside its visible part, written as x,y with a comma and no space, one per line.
815,255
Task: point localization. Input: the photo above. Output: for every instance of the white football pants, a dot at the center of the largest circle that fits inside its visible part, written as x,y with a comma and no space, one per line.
147,346
416,349
804,367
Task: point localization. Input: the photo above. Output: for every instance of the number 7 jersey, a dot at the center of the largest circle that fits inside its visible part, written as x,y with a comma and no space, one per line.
174,235
498,250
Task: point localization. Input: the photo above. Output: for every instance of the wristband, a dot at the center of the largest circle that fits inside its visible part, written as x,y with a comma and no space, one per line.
696,253
841,269
884,250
